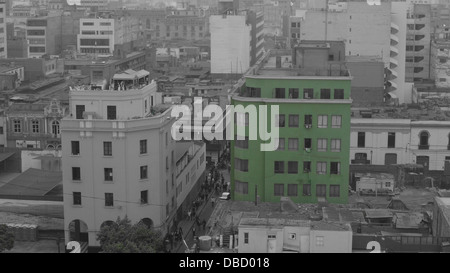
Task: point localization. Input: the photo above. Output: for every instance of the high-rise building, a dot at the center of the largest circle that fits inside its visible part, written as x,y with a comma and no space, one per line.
102,35
237,42
120,159
311,160
3,38
368,30
418,41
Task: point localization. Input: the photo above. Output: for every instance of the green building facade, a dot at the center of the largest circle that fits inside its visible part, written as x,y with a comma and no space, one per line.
314,160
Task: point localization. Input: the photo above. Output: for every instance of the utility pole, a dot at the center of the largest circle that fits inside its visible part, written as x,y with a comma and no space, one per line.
326,20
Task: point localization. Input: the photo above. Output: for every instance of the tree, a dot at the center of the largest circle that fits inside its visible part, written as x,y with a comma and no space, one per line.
6,238
123,237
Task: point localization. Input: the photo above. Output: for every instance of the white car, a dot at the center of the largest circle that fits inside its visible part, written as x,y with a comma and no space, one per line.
225,196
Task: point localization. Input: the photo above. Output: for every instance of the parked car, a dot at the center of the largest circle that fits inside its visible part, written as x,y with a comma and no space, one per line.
225,196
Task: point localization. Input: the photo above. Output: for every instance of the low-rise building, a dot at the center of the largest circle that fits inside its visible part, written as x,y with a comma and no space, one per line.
273,235
441,217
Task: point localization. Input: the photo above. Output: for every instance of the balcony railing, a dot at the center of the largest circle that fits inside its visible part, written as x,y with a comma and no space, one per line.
424,147
361,161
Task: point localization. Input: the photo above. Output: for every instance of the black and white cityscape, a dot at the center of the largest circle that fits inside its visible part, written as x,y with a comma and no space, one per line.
224,126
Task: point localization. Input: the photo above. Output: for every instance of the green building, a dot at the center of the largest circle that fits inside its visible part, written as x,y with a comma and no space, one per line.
312,159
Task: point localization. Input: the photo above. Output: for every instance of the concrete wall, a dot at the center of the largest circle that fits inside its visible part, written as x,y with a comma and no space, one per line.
334,241
29,158
367,83
226,57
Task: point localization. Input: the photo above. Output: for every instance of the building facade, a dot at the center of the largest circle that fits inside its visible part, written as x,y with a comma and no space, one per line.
400,141
312,159
105,130
34,126
271,235
418,43
3,36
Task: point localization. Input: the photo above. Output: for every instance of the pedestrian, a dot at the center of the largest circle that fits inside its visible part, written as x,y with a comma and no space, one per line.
180,230
189,215
212,202
204,224
193,231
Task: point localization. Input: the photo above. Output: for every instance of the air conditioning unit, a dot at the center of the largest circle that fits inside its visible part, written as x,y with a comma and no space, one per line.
308,126
308,150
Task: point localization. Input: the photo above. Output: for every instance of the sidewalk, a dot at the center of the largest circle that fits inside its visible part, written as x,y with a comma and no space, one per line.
204,212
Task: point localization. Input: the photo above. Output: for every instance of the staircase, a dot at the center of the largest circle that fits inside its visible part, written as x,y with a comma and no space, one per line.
226,236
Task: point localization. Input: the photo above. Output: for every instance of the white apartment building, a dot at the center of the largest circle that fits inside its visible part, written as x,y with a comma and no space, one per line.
97,36
3,40
368,30
230,44
119,158
400,141
101,35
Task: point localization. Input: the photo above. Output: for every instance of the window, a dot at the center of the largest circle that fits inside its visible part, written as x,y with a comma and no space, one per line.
280,93
321,190
293,144
76,173
335,145
55,128
109,200
88,23
79,111
1,130
321,167
241,164
322,121
308,121
245,237
391,140
293,93
143,146
281,144
390,159
387,184
308,143
279,167
111,112
281,121
75,148
292,167
144,197
325,94
293,121
335,168
322,144
105,23
144,172
254,92
335,191
306,189
338,94
319,241
77,198
35,126
306,166
240,187
423,145
308,93
107,148
243,144
361,139
293,190
17,126
336,122
278,190
108,174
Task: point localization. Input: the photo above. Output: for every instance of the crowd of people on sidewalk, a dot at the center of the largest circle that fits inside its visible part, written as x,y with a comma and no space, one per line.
213,185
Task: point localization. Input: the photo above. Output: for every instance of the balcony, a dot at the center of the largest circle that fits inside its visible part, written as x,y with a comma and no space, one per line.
394,50
394,40
424,147
394,28
361,161
394,63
